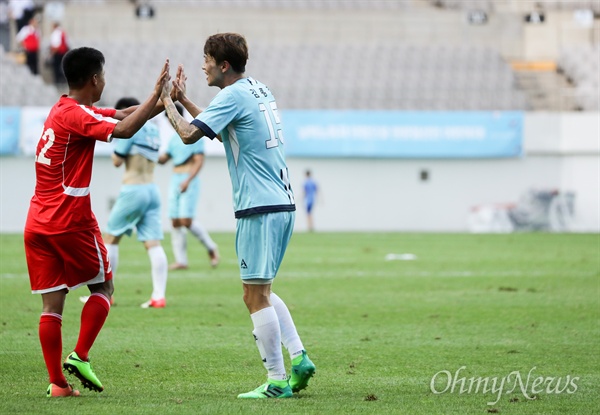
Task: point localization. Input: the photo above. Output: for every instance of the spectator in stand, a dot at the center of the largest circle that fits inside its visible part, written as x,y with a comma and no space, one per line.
21,11
58,48
29,39
4,26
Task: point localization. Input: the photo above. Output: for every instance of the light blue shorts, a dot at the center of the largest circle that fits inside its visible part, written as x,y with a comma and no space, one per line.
137,207
260,244
183,205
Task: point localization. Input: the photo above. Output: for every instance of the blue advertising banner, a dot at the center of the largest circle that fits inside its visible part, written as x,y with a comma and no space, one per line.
10,124
403,134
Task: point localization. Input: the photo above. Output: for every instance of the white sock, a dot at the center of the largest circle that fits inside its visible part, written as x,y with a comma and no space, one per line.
113,257
289,335
268,340
199,232
158,260
179,244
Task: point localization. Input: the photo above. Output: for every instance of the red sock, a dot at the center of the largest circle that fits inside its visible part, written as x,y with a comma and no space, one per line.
93,316
50,332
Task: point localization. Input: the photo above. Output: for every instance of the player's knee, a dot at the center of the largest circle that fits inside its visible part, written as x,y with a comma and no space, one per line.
106,288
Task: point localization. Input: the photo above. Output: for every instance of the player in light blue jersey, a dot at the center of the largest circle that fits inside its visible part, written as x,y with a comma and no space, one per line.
184,192
244,116
138,204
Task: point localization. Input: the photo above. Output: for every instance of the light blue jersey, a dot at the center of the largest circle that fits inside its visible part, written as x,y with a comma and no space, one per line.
138,205
145,143
181,152
245,115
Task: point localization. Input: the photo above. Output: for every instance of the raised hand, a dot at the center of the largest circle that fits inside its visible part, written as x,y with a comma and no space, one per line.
179,84
163,84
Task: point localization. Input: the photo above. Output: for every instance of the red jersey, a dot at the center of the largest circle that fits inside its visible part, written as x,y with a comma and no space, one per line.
63,166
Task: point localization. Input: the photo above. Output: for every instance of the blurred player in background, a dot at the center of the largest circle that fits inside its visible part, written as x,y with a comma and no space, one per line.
59,46
184,192
244,117
310,194
138,204
63,244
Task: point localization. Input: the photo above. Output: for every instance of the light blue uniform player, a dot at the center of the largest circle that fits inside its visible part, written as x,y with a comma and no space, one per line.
184,193
183,204
138,205
246,116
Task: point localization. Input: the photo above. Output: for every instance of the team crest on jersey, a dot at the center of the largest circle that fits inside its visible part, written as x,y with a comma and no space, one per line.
243,264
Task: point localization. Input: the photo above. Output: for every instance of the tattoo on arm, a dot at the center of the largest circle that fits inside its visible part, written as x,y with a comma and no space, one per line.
173,116
189,133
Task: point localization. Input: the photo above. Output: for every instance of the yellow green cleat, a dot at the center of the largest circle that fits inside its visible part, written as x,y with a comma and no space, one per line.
271,389
83,371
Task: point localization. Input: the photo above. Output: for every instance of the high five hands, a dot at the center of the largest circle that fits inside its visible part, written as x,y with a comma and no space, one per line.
175,89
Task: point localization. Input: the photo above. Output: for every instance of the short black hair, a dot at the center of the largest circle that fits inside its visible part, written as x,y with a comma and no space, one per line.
126,102
80,64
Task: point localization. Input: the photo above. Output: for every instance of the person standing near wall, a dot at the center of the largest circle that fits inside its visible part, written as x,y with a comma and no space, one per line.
310,195
4,26
29,39
20,11
58,48
184,192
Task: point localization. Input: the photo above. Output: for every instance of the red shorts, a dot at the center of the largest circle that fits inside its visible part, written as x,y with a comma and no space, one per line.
56,262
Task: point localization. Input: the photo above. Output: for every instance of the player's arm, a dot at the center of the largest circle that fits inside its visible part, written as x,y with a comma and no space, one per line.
189,133
163,158
132,122
117,160
197,161
158,108
178,93
192,108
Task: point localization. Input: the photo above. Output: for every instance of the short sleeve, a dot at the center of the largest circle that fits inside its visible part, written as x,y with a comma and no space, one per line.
89,122
218,115
123,147
198,147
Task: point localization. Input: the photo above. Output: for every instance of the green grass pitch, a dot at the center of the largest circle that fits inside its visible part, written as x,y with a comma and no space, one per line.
378,331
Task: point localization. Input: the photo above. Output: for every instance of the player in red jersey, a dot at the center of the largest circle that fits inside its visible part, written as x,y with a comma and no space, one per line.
63,243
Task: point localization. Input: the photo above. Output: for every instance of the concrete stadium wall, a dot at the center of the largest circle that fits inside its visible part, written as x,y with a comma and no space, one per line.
562,151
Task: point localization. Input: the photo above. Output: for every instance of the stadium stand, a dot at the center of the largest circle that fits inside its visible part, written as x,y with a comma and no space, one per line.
425,59
581,65
418,77
19,87
489,5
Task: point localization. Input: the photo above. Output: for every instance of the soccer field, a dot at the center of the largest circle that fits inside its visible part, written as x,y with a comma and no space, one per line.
510,320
